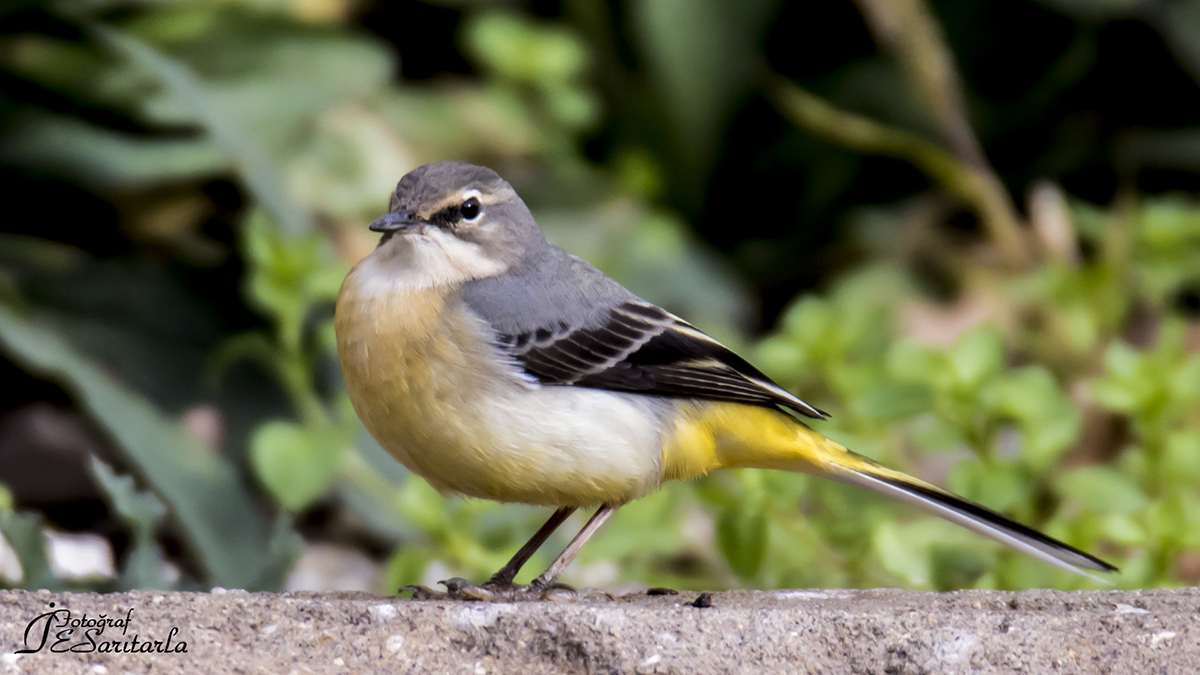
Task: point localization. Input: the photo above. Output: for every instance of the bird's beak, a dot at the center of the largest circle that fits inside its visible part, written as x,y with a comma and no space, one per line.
393,223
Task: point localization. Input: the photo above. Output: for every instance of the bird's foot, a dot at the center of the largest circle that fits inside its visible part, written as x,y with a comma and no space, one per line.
493,591
423,592
461,589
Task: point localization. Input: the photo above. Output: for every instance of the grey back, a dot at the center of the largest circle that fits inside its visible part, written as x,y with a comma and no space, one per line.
549,290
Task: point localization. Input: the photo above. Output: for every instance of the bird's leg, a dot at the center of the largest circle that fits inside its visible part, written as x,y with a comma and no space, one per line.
504,578
547,579
500,586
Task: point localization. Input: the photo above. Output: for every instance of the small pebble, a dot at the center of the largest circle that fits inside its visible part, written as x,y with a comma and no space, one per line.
382,612
395,643
703,600
659,590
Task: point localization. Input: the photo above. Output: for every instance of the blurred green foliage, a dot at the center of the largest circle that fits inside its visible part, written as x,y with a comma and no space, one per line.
1044,366
1010,400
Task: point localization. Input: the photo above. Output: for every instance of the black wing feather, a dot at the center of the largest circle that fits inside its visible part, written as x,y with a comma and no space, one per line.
637,347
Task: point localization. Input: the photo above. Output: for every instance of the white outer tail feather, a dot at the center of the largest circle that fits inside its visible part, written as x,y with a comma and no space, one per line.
1063,558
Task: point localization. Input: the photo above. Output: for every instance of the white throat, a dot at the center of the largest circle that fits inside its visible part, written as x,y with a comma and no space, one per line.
428,260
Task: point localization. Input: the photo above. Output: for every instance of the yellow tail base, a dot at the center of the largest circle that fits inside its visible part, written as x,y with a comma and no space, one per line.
710,436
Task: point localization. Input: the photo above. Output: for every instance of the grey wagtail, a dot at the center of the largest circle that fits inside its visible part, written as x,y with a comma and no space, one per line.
496,365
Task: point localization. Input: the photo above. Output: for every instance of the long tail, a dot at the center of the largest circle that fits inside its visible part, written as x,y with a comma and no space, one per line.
971,516
748,436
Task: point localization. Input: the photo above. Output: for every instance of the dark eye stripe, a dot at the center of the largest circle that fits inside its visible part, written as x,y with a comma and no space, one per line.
447,216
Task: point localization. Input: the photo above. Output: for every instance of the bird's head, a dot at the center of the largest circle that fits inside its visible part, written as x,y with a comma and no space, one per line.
450,222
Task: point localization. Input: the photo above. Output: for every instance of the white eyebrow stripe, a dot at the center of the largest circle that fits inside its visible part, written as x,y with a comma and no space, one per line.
456,200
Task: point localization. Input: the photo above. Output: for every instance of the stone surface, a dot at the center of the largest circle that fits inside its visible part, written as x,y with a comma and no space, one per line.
878,631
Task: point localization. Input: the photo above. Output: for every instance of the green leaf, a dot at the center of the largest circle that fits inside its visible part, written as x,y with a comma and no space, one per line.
780,358
421,504
742,537
1176,519
406,567
902,554
1124,529
699,55
931,433
996,485
1181,457
1046,442
140,512
381,463
517,48
1029,394
1130,380
250,346
23,532
894,402
1122,360
978,356
283,267
1185,381
108,159
255,166
297,464
956,567
1116,396
644,527
913,363
205,495
283,550
288,276
324,282
809,321
1170,222
1102,489
1049,422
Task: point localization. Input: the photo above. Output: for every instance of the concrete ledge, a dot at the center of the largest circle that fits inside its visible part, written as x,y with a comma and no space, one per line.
879,631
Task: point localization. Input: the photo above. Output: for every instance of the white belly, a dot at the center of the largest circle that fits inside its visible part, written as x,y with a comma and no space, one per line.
562,446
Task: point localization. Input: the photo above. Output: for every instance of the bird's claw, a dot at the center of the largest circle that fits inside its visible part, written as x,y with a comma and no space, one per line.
458,588
461,589
423,593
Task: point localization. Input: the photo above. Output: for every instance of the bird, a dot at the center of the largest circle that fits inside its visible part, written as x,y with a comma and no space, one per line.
496,365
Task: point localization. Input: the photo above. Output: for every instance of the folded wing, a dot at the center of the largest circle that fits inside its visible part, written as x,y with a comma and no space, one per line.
638,347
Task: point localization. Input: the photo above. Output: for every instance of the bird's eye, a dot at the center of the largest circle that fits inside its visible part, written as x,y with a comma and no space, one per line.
470,209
